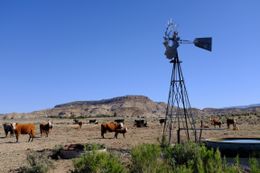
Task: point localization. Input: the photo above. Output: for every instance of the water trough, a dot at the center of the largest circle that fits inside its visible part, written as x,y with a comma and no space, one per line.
230,147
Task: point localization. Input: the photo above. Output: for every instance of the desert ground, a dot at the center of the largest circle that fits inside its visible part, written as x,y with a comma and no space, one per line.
64,132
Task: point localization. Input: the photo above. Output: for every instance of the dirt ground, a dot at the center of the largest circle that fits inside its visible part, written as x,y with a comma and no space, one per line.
13,155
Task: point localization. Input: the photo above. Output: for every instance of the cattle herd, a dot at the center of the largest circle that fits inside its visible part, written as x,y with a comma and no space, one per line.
230,121
117,127
18,129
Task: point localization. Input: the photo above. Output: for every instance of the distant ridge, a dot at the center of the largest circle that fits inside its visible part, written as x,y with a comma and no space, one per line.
126,106
104,101
243,107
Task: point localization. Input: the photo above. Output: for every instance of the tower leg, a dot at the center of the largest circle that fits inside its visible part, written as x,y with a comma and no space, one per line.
178,112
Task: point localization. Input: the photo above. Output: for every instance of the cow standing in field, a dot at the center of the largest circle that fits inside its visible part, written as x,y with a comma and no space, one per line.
123,130
162,121
112,127
45,128
231,121
78,122
216,122
8,128
24,129
94,121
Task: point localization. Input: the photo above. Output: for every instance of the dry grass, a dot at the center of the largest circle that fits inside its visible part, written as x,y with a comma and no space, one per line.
13,155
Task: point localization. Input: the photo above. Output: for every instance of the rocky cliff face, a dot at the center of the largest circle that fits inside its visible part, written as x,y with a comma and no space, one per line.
120,106
125,106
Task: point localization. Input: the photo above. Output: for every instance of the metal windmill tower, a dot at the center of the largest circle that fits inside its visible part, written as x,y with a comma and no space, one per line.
179,113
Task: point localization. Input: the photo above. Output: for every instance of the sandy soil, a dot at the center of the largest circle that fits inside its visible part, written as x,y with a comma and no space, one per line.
13,155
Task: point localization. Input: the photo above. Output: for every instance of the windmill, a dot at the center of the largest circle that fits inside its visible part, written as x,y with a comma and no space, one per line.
178,112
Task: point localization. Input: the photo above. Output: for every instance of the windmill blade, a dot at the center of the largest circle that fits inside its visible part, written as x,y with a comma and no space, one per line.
204,43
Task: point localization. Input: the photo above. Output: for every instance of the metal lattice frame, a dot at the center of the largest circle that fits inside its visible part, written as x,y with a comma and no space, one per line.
178,113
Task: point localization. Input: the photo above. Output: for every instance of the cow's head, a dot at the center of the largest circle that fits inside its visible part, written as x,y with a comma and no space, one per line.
50,124
120,125
14,125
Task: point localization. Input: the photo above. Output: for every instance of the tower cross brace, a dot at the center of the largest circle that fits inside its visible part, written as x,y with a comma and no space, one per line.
178,112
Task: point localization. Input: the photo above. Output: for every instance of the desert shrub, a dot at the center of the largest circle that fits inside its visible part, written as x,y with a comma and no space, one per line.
94,146
152,158
146,159
180,154
254,165
103,115
208,161
98,162
180,158
183,169
191,157
232,168
37,163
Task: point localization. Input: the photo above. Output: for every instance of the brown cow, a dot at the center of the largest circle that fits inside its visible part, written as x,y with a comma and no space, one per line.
231,121
78,122
24,129
215,122
111,127
45,128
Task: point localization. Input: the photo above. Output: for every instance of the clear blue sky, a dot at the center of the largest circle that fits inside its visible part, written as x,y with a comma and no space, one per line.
54,52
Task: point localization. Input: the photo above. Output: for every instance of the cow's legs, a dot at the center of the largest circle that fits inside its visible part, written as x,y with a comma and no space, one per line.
102,134
17,137
116,134
29,138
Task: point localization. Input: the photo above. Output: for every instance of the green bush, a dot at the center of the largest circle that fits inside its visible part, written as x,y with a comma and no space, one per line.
254,165
103,115
232,168
98,162
191,157
181,153
146,159
208,161
90,147
38,163
151,158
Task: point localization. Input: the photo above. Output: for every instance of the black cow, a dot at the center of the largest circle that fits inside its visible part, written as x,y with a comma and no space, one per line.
162,120
8,128
140,123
